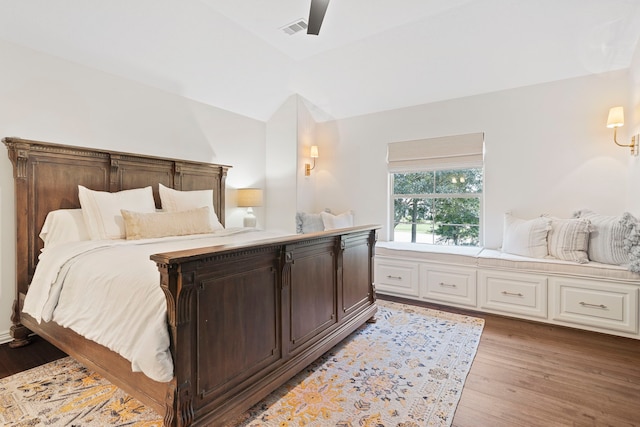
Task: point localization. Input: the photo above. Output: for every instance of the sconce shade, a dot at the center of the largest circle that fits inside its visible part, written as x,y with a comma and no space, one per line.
313,153
616,117
249,197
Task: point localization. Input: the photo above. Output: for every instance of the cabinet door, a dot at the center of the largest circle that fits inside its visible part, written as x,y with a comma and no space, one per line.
396,277
450,284
595,303
516,293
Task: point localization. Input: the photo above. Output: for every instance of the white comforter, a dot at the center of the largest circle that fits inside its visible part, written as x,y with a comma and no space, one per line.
109,292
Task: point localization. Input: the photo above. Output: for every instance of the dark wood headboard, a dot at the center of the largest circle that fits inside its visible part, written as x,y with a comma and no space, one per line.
47,177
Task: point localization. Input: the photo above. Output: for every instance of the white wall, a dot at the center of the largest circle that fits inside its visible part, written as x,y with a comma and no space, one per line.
547,151
48,99
633,116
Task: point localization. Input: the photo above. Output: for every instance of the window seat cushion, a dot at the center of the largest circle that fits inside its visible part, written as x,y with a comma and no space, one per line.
449,254
491,258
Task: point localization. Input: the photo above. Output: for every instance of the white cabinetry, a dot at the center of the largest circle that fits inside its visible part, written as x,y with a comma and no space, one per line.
600,305
588,302
515,293
449,284
396,277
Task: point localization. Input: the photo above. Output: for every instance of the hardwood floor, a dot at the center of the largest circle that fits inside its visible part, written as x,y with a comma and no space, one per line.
524,374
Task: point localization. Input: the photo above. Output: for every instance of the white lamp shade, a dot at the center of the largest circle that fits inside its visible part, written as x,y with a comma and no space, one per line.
313,153
249,197
616,117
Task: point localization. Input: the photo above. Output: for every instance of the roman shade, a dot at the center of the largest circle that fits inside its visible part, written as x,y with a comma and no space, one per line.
447,152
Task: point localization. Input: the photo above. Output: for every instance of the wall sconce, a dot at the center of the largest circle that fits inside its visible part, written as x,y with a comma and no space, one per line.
616,120
249,198
313,153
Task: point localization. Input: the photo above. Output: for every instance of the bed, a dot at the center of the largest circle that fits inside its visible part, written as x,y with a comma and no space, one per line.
291,298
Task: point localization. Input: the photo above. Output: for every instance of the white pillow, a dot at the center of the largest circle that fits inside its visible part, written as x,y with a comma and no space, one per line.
526,237
101,210
569,239
162,224
63,226
176,201
608,233
331,222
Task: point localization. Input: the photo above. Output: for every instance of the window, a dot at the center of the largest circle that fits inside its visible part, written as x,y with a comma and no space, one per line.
436,190
438,207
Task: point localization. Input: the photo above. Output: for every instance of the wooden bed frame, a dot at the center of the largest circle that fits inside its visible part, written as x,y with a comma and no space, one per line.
242,319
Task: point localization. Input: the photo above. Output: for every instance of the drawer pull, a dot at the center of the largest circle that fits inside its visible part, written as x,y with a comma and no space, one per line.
394,277
447,285
512,294
586,304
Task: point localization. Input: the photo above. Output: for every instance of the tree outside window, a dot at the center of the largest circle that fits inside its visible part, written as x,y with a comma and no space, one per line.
438,207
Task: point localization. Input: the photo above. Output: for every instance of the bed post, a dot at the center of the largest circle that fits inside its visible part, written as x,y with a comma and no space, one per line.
19,156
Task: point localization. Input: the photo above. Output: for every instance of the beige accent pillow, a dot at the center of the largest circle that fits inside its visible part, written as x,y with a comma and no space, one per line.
141,225
569,239
101,210
526,237
176,201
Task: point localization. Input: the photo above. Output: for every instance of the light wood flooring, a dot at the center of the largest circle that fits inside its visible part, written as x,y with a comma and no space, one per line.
524,374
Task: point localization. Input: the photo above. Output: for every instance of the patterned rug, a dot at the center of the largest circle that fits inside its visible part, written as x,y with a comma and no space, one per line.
406,370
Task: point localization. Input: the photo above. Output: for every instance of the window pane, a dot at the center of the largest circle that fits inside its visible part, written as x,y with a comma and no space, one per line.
459,181
457,221
413,183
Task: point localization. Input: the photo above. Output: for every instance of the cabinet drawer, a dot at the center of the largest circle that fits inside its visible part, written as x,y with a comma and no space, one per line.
513,293
448,284
592,303
397,277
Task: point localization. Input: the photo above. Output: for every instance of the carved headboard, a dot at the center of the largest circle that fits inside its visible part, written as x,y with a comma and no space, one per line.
47,177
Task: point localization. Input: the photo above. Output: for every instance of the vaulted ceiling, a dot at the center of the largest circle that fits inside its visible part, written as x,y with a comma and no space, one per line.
371,55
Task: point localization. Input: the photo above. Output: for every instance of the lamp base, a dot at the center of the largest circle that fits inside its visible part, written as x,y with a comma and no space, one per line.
249,220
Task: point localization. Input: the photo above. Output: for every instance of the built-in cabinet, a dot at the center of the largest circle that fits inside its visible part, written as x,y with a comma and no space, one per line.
602,305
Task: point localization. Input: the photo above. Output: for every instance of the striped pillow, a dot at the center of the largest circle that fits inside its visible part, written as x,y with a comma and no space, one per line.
608,233
568,239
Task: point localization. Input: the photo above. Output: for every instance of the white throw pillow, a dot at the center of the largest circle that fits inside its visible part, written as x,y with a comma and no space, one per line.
176,201
63,226
162,224
526,237
569,239
608,233
331,222
101,210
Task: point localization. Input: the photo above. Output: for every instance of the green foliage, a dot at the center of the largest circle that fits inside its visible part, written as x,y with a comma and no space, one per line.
438,199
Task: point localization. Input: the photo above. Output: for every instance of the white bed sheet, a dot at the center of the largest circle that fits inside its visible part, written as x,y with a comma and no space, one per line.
122,305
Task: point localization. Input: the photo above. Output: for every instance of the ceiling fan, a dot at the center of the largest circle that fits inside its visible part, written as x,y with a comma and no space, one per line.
316,15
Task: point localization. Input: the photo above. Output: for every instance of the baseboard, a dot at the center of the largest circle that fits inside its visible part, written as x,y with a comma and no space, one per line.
5,337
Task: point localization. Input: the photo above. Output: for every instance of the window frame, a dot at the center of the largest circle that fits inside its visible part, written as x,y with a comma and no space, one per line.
480,196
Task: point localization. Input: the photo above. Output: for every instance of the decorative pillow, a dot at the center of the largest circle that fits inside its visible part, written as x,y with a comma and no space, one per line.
176,201
63,226
309,223
162,224
608,233
632,245
331,222
568,239
526,237
101,210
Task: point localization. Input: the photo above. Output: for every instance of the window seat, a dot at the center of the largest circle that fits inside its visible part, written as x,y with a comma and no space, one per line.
592,296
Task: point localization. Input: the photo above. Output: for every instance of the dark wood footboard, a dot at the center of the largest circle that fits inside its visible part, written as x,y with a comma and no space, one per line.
244,319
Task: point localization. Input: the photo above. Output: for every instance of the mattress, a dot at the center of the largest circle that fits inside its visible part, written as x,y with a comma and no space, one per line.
109,291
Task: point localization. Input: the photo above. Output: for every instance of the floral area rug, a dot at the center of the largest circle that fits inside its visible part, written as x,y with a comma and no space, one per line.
406,370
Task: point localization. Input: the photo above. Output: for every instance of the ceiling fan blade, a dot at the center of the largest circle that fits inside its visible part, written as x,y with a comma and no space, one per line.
316,15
